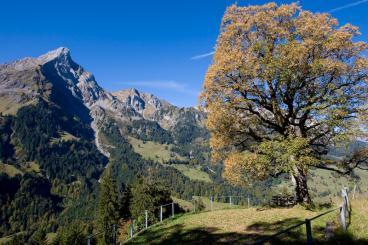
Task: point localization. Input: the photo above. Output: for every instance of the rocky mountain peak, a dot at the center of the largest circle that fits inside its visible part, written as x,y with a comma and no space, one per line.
61,53
57,78
152,108
140,100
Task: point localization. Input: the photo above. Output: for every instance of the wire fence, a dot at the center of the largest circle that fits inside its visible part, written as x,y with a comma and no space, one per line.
170,210
344,218
165,211
222,202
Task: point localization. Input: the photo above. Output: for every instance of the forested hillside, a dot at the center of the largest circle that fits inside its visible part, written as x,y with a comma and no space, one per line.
62,130
65,172
59,131
127,165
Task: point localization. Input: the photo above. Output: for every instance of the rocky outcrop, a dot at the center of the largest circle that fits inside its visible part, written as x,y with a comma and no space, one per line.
58,79
154,109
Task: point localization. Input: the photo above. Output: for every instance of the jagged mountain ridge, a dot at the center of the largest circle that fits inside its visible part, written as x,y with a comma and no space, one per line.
57,78
152,108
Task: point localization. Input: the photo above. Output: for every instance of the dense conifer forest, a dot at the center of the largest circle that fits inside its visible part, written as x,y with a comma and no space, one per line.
64,186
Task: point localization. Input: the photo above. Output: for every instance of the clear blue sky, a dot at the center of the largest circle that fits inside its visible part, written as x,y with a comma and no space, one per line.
143,44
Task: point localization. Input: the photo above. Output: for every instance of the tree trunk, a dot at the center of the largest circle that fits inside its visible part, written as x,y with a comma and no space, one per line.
301,187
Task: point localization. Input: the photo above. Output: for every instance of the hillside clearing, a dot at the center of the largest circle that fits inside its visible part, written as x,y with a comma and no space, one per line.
12,170
9,104
153,150
9,170
64,136
162,153
32,167
237,226
193,172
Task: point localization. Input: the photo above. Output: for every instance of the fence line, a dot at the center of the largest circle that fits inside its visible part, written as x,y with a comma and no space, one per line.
345,212
231,200
161,207
344,208
89,238
133,233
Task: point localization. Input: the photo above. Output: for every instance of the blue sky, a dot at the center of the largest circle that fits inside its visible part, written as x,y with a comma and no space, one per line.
144,44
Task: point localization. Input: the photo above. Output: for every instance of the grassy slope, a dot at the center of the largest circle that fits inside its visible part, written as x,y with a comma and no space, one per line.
161,153
192,172
152,150
12,170
324,185
32,167
236,226
9,169
4,240
325,181
9,106
64,136
187,205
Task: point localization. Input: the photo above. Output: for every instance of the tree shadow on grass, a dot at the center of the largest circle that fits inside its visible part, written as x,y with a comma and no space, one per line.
178,234
259,231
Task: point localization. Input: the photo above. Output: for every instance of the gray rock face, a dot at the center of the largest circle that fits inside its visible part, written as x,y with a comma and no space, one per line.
154,109
57,78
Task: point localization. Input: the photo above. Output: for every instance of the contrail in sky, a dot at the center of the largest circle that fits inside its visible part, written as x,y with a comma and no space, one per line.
348,6
200,56
204,55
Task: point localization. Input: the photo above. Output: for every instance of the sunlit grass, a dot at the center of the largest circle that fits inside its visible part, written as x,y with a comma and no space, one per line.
153,150
9,169
237,226
192,172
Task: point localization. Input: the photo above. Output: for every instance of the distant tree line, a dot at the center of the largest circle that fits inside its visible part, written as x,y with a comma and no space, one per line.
149,131
127,165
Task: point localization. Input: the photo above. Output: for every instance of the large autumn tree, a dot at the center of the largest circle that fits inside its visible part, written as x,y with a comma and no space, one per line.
284,86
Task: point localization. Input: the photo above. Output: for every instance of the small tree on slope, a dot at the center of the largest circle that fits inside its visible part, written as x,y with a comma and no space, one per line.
284,86
108,209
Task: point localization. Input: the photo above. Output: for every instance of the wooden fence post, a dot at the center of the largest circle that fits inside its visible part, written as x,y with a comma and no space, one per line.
146,214
344,209
248,202
230,200
89,240
342,217
160,213
131,230
211,203
309,232
172,209
113,234
354,192
346,197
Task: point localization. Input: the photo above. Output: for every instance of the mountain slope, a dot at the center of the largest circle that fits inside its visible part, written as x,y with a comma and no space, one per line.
57,78
60,128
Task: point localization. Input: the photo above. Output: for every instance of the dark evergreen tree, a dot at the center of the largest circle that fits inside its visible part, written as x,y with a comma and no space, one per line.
125,201
72,234
39,237
108,209
148,195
